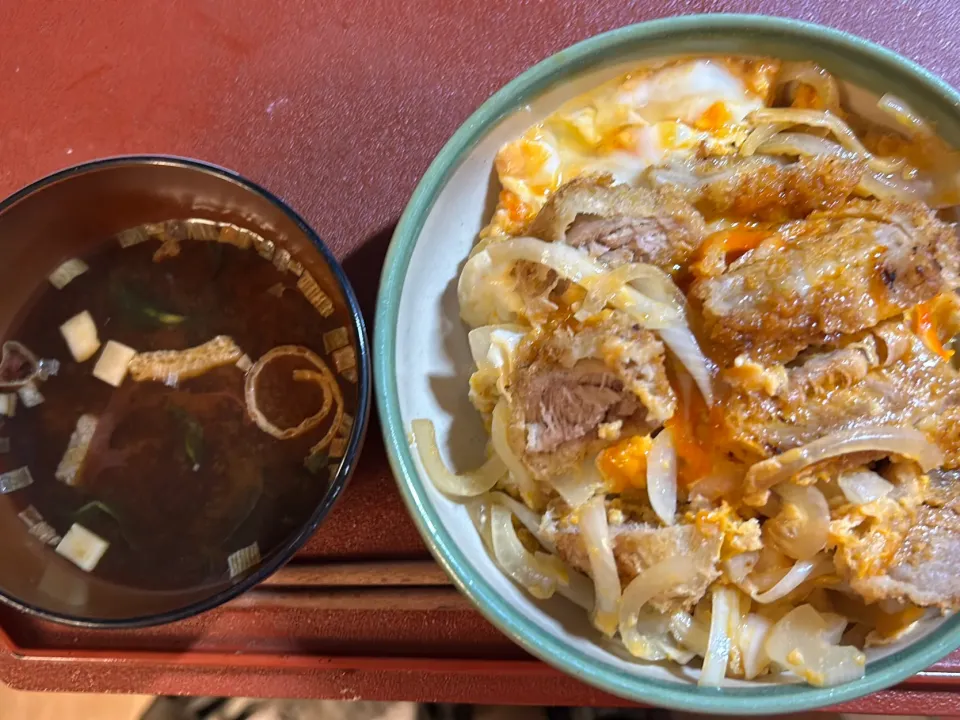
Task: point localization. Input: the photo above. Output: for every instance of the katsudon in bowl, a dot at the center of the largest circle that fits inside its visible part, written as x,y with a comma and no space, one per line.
709,314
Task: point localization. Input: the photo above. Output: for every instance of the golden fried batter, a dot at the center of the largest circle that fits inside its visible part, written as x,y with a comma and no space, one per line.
765,189
837,272
620,224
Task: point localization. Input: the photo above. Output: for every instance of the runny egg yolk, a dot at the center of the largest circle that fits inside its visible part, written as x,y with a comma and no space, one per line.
517,209
624,465
529,167
714,117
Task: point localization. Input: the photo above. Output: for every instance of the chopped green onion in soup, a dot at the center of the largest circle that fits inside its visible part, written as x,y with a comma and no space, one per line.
15,480
67,273
77,449
243,559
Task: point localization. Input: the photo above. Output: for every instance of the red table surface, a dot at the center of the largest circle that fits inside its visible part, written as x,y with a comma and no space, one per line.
338,106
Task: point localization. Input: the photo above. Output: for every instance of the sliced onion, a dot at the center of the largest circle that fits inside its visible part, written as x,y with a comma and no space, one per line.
479,511
735,662
863,487
882,185
801,527
802,144
739,566
573,585
578,589
466,485
893,187
753,635
648,279
889,439
662,477
904,115
577,487
534,573
527,517
684,346
759,136
501,446
825,119
603,565
797,642
771,566
689,632
801,571
644,639
656,580
486,292
835,626
483,273
674,652
719,642
816,77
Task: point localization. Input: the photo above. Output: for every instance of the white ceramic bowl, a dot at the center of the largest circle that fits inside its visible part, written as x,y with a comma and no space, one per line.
424,360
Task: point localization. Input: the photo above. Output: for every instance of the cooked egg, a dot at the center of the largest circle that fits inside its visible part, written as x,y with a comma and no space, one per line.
649,117
624,465
530,166
739,535
686,91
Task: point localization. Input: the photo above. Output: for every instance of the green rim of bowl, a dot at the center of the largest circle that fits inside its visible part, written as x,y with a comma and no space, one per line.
869,64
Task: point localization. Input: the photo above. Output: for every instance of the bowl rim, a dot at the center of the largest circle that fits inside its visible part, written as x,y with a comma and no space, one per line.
285,551
762,698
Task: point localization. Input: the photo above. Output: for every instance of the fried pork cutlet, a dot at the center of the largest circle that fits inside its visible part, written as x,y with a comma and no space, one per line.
835,273
761,188
575,378
619,224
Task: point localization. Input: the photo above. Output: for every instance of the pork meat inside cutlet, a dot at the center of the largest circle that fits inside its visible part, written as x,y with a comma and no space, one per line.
620,224
574,379
835,273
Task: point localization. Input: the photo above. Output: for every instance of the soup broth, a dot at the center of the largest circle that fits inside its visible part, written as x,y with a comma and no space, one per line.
178,474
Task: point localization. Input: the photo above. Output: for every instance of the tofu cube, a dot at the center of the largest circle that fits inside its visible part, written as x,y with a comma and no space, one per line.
113,363
8,405
82,547
30,395
80,332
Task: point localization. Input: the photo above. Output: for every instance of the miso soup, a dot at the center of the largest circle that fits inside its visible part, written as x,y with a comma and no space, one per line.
174,406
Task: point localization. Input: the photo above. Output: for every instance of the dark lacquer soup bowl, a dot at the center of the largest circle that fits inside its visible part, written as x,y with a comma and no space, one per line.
184,389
